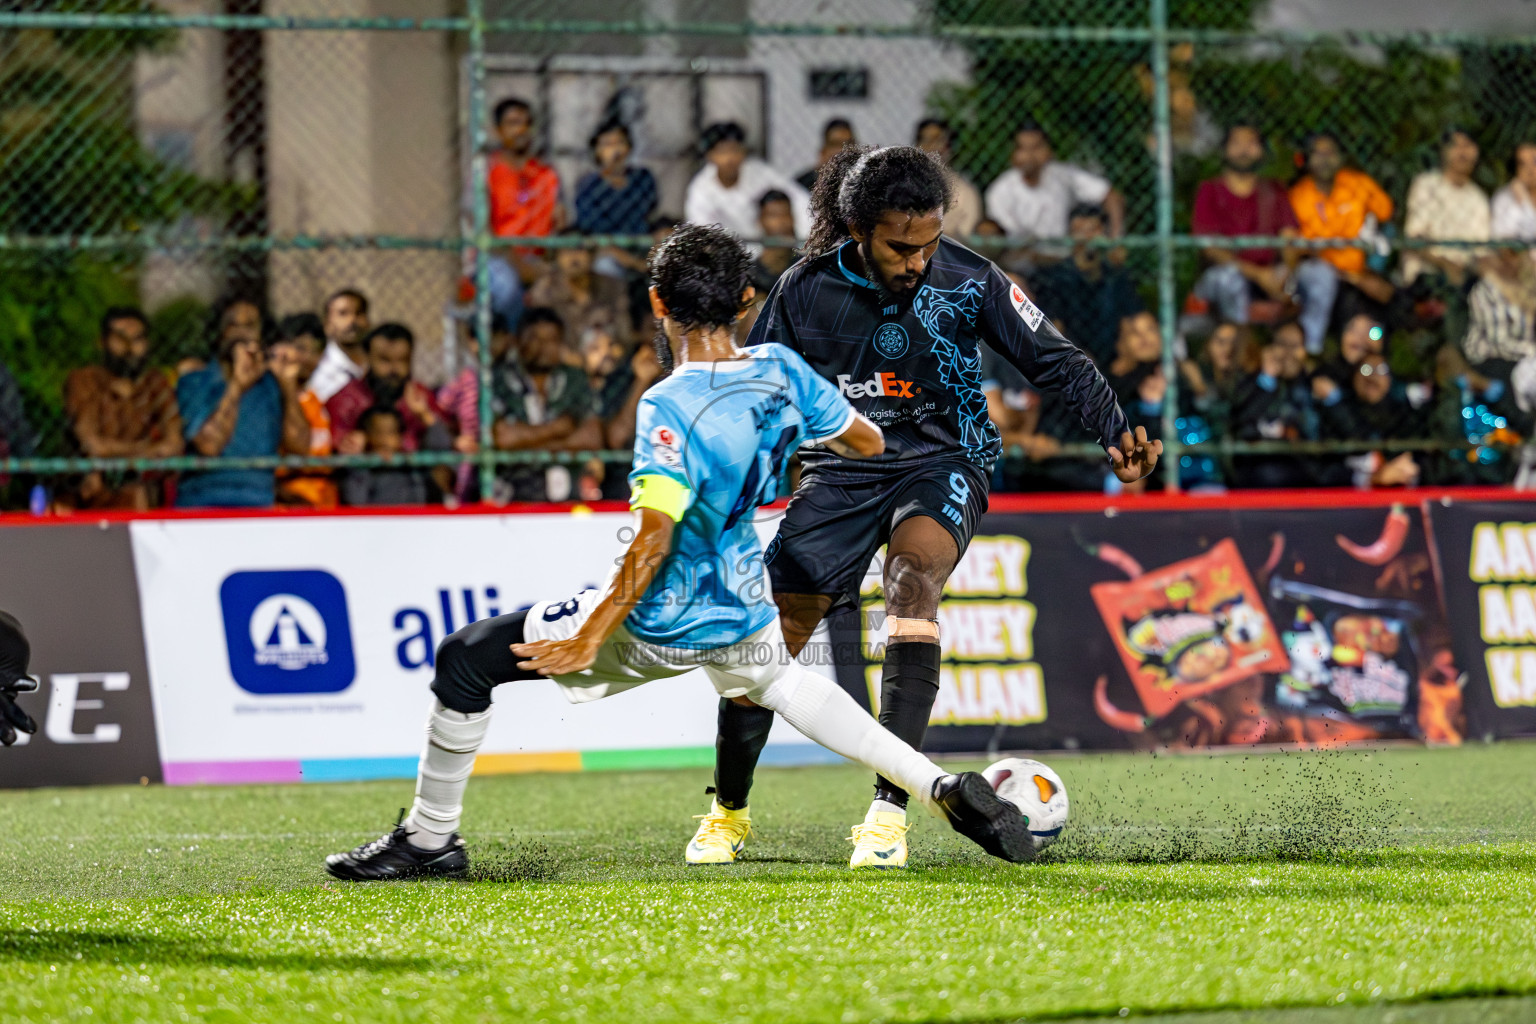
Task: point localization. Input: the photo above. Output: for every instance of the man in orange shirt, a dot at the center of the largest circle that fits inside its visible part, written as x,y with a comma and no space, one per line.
524,195
1334,201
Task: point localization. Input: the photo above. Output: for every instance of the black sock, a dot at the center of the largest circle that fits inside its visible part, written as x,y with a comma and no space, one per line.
742,733
909,684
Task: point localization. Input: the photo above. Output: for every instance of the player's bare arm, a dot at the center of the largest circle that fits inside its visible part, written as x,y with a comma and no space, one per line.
862,440
637,569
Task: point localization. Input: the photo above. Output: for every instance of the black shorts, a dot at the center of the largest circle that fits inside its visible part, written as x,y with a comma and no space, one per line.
835,524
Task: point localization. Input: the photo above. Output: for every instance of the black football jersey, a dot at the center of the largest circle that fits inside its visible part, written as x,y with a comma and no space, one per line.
914,367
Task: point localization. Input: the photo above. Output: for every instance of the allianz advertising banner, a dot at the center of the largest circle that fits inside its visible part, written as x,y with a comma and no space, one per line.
302,648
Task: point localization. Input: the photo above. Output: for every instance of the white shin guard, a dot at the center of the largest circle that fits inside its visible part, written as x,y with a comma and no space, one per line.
453,737
823,711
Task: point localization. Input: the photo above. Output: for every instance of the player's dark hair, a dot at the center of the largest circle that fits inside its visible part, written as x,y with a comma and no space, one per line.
700,273
773,195
613,124
540,315
116,313
389,332
297,325
347,293
511,103
721,131
861,184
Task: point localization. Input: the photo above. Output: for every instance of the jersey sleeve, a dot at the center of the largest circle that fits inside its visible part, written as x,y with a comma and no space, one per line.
661,477
1017,329
826,412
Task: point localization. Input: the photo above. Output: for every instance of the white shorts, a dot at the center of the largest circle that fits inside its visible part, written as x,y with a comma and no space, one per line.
624,661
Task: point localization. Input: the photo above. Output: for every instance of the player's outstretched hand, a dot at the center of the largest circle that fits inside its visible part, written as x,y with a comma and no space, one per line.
12,719
557,657
1135,457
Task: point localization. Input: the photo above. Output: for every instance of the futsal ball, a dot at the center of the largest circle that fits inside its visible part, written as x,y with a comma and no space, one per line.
1035,790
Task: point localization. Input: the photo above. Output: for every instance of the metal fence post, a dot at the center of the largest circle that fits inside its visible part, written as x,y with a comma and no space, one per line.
479,186
1166,298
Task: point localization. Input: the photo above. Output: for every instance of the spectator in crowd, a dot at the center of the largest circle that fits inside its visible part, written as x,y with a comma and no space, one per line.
1212,379
1363,338
1334,201
542,400
835,134
616,199
238,407
963,218
727,188
17,438
776,219
384,430
1275,404
1502,327
1446,204
343,361
460,398
1514,205
389,348
1370,408
524,195
618,378
1240,201
1137,357
122,409
1034,198
1086,295
301,340
588,302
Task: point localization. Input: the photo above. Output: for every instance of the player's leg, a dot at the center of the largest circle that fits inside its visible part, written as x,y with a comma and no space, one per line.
824,545
823,711
934,516
469,664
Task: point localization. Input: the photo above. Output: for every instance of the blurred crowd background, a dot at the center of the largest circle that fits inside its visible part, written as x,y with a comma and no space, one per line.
371,252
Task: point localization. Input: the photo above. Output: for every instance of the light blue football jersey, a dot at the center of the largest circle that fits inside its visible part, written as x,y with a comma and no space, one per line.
718,435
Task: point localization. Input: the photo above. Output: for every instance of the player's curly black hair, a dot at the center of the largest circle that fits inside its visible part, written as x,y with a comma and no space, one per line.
700,272
861,184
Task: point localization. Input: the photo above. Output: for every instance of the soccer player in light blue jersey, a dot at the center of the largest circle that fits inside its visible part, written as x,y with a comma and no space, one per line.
689,591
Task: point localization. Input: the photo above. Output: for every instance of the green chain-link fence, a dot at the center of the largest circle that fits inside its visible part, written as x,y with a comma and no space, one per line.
164,154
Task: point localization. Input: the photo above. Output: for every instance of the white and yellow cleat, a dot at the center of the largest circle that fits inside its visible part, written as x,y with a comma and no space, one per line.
880,841
721,836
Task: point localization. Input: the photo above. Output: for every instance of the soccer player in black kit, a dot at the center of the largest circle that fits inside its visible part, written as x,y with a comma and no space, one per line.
894,313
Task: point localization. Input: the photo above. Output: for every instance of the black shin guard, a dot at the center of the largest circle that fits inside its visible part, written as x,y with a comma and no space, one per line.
909,684
742,734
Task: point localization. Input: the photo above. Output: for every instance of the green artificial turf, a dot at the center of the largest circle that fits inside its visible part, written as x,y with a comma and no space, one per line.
1387,881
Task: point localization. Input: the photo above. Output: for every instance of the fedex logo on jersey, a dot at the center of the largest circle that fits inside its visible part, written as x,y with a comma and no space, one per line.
881,385
287,631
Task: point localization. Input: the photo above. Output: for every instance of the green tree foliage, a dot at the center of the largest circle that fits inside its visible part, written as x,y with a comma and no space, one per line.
71,164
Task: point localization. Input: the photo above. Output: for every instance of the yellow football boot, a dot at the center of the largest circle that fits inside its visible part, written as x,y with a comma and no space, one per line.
880,841
721,836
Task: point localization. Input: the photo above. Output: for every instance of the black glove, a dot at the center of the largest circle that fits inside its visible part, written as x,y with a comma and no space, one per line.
15,654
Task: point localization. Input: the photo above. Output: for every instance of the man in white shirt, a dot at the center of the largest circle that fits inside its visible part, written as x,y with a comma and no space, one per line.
1034,198
1447,204
727,188
344,360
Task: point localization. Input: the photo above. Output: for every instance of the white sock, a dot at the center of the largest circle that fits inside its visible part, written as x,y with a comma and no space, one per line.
886,807
823,711
446,763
